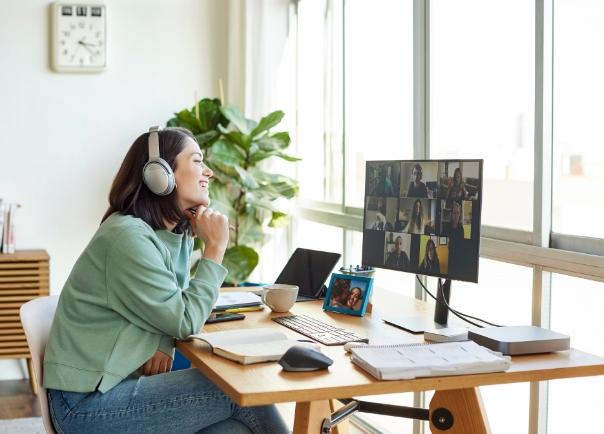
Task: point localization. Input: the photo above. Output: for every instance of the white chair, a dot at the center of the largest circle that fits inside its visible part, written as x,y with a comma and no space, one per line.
36,318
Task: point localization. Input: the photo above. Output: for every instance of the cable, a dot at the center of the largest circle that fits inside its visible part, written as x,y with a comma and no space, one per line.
460,315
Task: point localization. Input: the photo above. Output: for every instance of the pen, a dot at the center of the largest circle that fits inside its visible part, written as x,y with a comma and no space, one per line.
244,309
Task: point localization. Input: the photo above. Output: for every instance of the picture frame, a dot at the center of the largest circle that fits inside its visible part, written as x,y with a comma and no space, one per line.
348,293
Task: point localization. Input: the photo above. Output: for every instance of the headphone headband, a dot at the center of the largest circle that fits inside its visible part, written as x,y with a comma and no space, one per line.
153,143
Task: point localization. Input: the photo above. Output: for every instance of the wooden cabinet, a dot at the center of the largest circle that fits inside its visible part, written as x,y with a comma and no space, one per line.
23,276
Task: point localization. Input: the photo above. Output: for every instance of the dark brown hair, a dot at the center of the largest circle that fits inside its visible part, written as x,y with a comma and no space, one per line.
129,195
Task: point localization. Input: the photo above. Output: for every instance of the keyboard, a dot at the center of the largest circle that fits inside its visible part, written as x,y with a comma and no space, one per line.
319,331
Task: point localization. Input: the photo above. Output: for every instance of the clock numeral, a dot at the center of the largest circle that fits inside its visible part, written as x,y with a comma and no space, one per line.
66,33
72,26
82,24
64,52
98,34
98,52
81,60
62,41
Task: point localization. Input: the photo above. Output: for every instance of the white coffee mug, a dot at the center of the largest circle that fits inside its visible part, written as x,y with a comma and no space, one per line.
280,297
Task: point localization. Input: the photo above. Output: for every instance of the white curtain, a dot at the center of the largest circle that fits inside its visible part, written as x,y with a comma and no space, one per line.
261,79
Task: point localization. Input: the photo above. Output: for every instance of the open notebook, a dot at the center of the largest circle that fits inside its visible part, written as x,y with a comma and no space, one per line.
249,345
407,361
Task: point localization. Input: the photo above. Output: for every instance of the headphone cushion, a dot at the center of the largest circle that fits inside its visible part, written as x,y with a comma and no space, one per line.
158,177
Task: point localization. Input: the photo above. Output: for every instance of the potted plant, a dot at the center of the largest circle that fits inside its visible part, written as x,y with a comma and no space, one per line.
248,195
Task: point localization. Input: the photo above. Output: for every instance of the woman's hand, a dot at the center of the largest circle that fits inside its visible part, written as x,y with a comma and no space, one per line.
212,227
158,364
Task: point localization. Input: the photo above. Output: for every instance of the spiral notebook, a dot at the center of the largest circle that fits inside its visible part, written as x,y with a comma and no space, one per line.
408,361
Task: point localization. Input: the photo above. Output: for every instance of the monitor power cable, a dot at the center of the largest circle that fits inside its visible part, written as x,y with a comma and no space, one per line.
460,315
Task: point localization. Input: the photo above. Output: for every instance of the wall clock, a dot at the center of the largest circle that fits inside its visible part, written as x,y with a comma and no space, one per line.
78,37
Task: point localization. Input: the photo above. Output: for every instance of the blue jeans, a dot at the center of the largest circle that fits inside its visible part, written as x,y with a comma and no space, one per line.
175,402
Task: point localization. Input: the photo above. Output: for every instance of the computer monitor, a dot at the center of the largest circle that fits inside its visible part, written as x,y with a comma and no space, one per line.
423,217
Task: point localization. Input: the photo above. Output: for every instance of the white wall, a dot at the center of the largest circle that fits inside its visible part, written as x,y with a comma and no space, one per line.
63,136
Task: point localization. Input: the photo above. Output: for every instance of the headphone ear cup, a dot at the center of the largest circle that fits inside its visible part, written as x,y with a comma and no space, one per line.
158,177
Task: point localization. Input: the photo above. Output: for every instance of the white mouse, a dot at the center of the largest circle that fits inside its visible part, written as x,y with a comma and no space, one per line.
350,345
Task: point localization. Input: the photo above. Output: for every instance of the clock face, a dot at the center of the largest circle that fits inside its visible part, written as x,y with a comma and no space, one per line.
79,37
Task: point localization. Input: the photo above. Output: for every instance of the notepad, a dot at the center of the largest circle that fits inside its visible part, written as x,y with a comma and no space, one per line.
408,361
249,345
235,299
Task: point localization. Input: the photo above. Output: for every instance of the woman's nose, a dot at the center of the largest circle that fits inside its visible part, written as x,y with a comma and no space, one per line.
207,171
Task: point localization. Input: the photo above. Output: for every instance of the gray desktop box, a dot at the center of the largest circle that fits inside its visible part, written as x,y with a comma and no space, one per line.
517,340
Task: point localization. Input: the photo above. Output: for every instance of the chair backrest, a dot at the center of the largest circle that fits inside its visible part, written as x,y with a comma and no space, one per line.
36,318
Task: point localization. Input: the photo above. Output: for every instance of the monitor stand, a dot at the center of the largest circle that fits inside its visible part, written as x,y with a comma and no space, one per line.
421,323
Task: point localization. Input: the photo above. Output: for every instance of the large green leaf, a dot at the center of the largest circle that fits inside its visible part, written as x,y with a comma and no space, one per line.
207,138
240,261
250,232
210,115
235,136
267,122
280,185
227,153
234,115
274,142
256,199
246,178
279,220
223,199
188,120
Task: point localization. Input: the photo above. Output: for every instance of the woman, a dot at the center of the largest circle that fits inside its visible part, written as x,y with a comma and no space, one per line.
418,222
430,263
354,300
457,188
129,295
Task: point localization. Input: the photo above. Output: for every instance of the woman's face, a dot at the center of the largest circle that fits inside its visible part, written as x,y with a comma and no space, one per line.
418,207
417,174
457,177
355,295
431,251
192,177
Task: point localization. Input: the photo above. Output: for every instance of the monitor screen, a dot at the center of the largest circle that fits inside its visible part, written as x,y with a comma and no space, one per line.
423,217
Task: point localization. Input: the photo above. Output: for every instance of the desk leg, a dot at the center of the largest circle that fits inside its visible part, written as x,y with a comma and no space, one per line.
467,409
309,417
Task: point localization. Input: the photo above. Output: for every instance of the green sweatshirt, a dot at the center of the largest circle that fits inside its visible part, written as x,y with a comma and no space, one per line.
128,295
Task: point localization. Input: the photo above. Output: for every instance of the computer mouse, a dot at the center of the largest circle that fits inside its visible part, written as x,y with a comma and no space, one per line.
301,358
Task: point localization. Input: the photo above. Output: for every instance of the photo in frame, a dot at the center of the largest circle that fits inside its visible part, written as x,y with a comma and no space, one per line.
348,294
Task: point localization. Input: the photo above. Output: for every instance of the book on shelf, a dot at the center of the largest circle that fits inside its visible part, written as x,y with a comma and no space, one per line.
7,226
248,346
408,361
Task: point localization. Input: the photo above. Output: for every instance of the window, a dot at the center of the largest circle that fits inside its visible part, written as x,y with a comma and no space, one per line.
461,78
378,93
578,164
482,98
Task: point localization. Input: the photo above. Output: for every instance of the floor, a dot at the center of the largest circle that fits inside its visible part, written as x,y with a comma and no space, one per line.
16,400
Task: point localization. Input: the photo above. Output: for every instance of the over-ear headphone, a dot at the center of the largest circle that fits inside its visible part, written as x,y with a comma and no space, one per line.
157,173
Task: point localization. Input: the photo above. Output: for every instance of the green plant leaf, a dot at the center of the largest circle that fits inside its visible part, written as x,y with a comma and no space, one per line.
274,142
280,185
234,115
256,199
227,153
287,157
246,178
206,139
210,115
188,120
267,122
240,261
250,232
236,137
222,199
279,220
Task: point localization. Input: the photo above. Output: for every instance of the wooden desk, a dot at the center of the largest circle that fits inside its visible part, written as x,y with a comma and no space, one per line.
266,383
